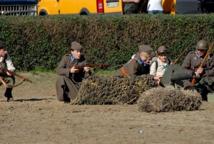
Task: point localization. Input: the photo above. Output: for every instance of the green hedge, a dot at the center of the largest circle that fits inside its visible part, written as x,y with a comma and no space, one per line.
41,41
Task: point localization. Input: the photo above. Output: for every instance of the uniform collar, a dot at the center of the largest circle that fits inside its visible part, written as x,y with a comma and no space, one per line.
71,58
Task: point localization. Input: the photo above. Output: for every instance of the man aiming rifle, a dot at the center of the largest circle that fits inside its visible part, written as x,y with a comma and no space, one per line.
72,69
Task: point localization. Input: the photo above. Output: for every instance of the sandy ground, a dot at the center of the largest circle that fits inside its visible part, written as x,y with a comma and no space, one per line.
36,117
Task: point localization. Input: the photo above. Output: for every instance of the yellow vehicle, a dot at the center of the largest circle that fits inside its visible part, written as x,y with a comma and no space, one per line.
169,6
81,7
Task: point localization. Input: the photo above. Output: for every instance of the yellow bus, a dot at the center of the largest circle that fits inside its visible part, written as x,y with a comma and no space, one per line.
80,7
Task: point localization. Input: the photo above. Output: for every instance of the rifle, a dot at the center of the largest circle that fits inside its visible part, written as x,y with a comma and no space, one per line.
204,60
178,58
102,66
3,82
15,74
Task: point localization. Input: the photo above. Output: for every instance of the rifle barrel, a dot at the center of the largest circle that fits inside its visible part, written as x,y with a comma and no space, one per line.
15,74
92,65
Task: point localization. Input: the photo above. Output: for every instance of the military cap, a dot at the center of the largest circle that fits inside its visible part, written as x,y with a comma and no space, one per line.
76,46
2,45
162,49
146,48
202,45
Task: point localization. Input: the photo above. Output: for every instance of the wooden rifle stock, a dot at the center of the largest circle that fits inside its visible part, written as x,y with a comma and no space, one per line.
204,61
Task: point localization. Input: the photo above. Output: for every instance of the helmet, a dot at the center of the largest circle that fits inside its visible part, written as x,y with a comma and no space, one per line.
202,45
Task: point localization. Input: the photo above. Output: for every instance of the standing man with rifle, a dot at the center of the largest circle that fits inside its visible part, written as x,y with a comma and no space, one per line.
70,73
201,62
6,78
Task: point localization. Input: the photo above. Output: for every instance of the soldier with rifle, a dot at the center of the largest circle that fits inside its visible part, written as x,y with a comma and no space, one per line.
201,62
6,67
196,72
70,76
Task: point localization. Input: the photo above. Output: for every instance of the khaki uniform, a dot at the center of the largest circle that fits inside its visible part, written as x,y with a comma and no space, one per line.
67,84
6,63
183,75
134,67
205,83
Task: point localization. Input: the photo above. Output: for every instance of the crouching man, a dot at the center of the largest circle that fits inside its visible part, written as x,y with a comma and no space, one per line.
6,66
139,64
71,71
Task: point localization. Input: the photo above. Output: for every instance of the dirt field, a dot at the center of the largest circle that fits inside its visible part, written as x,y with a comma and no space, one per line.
36,117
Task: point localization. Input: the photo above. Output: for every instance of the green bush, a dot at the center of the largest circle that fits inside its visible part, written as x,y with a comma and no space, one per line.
41,41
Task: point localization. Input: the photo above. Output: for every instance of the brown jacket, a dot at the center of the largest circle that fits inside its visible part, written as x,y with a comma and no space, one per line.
134,67
193,61
65,65
68,84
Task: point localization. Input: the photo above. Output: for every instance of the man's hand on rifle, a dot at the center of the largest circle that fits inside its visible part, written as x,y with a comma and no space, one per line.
74,70
199,72
86,69
8,73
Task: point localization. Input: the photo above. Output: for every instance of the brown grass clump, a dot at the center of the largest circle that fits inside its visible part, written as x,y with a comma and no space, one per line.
168,99
112,90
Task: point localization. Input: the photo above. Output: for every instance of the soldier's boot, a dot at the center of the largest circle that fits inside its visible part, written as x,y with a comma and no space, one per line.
65,95
203,91
8,94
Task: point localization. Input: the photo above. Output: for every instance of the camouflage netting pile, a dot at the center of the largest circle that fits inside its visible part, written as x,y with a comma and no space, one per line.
168,99
112,90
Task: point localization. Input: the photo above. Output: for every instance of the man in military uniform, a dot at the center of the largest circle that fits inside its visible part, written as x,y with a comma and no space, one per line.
204,75
6,65
70,73
190,70
139,63
159,64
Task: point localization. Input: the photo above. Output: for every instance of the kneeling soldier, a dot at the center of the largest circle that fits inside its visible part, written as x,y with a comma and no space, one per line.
6,65
139,63
70,75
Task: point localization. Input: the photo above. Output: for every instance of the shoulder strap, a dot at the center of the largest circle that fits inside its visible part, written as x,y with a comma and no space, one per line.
154,60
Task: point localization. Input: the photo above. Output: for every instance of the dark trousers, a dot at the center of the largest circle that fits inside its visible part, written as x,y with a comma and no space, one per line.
10,81
66,89
205,86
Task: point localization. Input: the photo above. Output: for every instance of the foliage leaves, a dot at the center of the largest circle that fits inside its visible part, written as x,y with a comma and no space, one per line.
41,41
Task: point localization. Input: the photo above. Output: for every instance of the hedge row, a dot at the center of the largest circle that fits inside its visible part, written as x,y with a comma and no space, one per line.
41,41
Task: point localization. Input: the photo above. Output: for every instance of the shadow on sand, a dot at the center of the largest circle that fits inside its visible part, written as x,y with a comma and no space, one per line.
33,99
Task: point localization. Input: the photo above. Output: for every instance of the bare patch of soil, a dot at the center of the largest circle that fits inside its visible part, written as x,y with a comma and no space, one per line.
36,117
